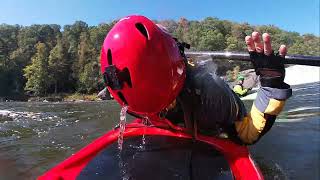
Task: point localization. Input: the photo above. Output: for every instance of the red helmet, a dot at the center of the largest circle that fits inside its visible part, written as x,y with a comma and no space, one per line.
142,65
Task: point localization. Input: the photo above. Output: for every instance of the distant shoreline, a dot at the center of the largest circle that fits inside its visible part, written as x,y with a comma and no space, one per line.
72,97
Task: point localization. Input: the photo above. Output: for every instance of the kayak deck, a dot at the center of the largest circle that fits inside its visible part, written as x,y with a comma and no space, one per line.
161,157
173,153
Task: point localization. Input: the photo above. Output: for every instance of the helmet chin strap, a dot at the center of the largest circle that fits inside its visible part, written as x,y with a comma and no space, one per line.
182,46
190,123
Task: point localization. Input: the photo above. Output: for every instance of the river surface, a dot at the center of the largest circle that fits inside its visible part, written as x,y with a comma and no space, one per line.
35,136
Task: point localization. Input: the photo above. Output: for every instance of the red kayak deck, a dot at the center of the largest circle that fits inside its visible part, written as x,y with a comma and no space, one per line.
238,157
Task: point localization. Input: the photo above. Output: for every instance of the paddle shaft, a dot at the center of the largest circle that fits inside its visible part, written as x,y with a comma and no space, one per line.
289,59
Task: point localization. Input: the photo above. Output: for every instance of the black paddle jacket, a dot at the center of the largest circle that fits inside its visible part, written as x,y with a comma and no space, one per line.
208,106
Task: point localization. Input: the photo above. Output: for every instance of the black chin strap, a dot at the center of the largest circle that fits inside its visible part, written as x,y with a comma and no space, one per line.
182,46
190,122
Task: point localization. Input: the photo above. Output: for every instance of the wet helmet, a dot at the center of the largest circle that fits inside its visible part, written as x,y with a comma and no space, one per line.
142,65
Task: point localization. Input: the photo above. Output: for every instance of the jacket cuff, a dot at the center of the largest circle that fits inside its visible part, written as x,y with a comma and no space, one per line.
265,94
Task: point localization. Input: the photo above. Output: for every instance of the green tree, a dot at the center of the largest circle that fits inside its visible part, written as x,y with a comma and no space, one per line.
98,34
8,69
58,66
212,40
89,78
194,33
86,55
37,72
71,37
232,44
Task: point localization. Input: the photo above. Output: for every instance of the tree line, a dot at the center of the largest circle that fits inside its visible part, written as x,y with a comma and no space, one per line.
47,59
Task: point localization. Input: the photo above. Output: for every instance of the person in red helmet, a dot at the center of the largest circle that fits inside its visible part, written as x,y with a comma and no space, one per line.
145,68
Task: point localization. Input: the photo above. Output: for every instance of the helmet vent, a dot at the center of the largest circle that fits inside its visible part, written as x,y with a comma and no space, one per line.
142,30
109,57
122,98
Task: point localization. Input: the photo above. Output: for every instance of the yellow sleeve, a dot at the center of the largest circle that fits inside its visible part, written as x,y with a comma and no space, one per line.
264,109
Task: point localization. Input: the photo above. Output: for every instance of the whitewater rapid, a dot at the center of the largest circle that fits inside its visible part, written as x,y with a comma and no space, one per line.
299,74
296,75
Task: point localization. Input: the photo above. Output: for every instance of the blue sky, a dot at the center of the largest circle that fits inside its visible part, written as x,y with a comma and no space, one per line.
292,15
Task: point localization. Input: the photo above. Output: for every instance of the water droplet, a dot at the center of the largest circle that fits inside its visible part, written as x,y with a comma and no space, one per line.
122,123
145,122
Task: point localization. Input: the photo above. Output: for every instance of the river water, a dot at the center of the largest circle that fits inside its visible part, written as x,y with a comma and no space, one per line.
35,136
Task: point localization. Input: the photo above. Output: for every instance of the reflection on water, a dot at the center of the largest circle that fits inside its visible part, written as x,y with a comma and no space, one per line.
36,136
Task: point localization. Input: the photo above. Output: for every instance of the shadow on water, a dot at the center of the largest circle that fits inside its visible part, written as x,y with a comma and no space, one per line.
36,136
291,150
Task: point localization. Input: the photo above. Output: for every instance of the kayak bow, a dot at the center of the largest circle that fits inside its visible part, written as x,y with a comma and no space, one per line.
166,154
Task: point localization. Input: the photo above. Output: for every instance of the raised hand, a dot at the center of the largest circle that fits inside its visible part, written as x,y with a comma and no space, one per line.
267,65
